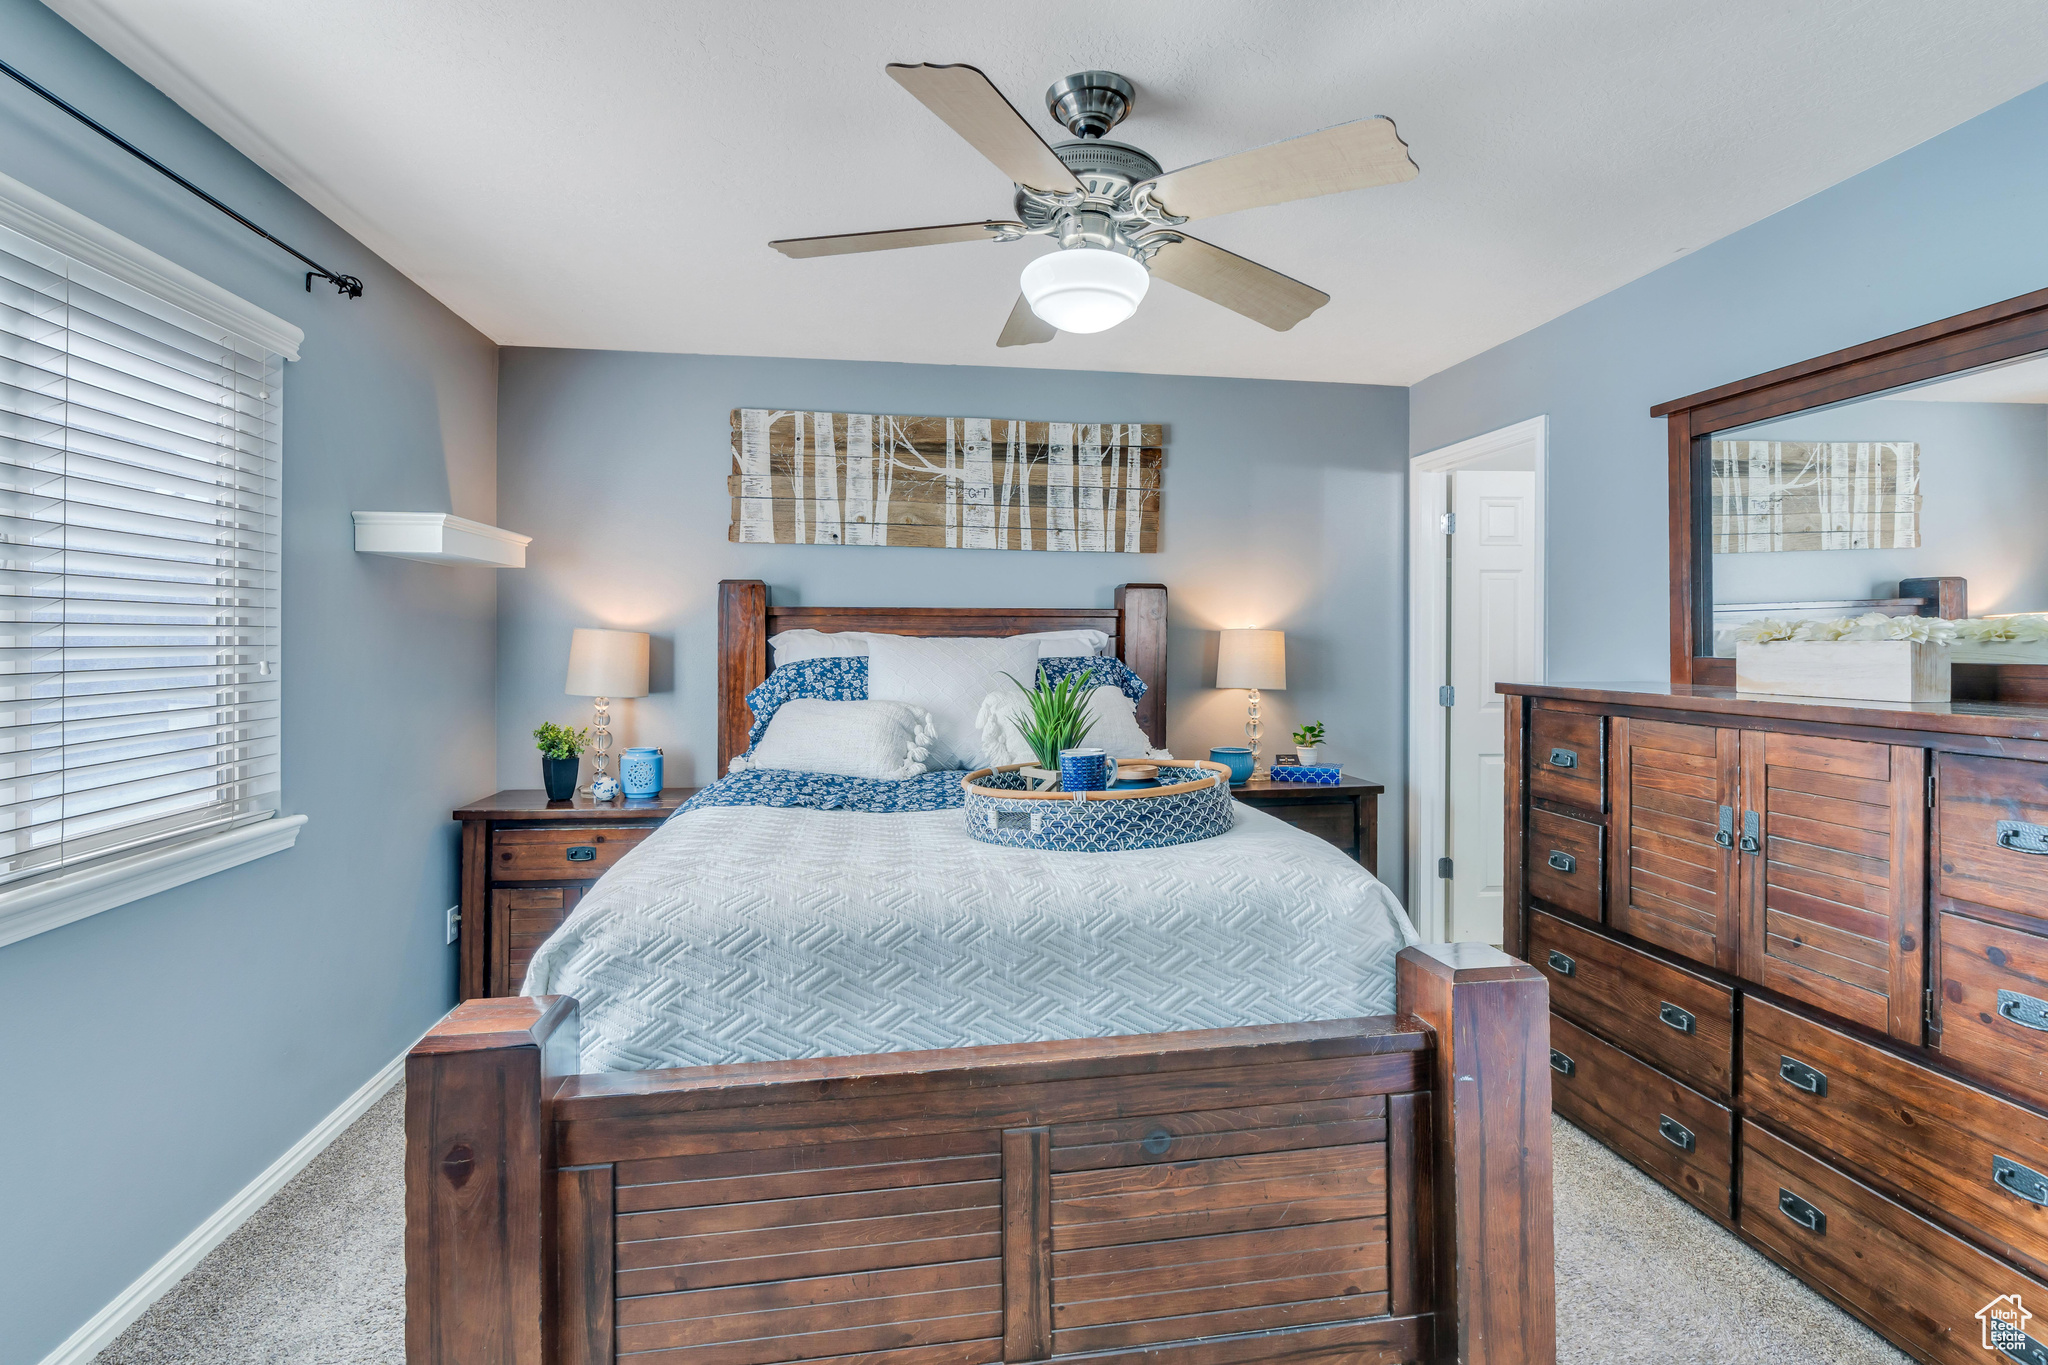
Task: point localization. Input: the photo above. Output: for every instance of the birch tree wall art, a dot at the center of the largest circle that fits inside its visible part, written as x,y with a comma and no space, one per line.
1815,495
970,483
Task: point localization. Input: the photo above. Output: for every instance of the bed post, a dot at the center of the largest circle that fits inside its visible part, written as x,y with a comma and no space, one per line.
1494,1288
479,1180
742,661
1141,644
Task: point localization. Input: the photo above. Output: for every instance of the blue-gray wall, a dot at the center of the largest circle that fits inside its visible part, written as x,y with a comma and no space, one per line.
1950,225
157,1057
1282,506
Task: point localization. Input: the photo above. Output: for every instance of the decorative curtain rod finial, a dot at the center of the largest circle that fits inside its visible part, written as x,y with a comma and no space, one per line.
343,284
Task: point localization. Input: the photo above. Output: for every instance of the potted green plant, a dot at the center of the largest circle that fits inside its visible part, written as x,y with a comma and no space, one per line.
561,750
1058,720
1307,740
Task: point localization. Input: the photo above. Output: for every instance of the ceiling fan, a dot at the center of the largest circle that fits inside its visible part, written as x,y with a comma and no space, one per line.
1116,217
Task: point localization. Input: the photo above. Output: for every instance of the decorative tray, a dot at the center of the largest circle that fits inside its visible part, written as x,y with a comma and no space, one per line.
1191,802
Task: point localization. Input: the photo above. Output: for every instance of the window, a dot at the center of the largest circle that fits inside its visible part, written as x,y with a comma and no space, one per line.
139,558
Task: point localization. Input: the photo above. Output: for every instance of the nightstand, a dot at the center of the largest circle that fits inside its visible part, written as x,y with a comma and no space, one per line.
1347,814
526,861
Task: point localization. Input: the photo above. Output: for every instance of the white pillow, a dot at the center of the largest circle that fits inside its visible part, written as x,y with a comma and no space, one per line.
884,739
1113,717
948,677
792,645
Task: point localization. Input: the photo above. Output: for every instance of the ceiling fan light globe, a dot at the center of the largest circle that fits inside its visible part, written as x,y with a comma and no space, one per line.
1084,289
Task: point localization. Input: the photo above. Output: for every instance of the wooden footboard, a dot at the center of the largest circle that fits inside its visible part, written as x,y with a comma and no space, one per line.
1362,1190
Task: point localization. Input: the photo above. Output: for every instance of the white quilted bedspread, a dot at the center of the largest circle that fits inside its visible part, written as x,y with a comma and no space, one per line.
751,933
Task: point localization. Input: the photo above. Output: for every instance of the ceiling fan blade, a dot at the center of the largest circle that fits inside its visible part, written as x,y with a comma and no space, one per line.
846,242
1350,156
1025,328
972,107
1242,286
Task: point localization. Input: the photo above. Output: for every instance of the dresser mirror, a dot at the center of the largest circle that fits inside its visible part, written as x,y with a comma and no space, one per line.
1907,476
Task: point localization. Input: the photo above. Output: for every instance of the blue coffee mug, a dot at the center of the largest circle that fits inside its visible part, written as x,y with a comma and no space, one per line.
1237,758
1085,770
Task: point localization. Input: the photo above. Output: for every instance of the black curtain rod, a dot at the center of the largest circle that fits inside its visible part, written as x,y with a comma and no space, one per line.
343,284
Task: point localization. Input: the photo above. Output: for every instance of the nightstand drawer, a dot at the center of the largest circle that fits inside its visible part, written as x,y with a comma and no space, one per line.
521,920
556,854
1336,821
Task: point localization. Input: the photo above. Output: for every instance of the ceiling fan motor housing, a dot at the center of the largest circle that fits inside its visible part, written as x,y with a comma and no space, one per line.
1090,103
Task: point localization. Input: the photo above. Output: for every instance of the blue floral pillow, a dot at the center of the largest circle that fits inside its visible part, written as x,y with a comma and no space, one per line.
1106,673
831,679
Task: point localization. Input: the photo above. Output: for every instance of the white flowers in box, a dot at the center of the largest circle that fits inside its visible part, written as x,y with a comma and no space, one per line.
1866,658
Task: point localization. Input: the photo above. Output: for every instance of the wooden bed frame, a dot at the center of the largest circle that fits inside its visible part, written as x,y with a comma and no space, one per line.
1360,1190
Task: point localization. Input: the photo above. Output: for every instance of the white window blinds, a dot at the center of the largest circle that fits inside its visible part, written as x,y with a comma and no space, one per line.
139,506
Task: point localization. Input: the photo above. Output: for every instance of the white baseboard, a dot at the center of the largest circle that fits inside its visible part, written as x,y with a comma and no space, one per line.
99,1332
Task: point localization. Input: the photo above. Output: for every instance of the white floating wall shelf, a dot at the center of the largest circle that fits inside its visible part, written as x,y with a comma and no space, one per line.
439,538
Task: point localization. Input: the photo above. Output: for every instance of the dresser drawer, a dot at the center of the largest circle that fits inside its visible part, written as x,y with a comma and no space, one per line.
1670,1130
1566,867
1991,832
1677,1020
1906,1277
1568,758
1991,1002
555,854
1978,1159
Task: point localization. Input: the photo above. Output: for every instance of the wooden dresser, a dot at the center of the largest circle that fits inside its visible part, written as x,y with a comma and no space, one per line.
526,861
1798,963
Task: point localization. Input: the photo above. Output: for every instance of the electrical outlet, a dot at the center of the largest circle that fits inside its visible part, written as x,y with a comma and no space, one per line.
454,922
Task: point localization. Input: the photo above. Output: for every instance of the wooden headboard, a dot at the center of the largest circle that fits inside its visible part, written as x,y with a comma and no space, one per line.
1136,626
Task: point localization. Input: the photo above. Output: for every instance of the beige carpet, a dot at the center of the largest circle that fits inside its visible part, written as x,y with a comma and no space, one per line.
318,1275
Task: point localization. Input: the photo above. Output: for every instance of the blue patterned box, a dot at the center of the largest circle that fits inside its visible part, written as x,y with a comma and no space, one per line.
1322,775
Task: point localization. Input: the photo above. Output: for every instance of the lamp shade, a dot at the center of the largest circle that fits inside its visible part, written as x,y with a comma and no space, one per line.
1084,289
607,663
1252,658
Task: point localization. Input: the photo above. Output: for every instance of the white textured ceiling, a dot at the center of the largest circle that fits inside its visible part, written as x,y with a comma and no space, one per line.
607,174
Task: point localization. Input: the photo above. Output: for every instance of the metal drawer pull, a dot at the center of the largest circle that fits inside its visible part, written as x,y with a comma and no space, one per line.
2021,837
582,853
1561,860
1802,1213
1800,1076
2019,1181
1675,1017
1562,965
1561,1064
1751,842
2027,1352
1564,758
1675,1133
2023,1010
1725,836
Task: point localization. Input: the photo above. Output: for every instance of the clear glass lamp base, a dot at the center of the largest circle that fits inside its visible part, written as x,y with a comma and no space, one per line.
600,743
1252,730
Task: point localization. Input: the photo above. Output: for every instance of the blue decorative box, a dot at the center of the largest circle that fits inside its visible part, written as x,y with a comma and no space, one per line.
1322,775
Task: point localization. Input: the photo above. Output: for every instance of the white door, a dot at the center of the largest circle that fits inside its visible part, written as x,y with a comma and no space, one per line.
1493,638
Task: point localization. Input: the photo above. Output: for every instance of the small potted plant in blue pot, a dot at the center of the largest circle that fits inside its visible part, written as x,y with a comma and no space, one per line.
561,751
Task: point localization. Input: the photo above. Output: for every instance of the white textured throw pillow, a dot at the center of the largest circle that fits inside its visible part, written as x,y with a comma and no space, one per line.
792,645
1113,727
884,739
948,677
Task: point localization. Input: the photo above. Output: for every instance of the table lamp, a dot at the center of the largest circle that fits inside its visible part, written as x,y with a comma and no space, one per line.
1252,659
604,664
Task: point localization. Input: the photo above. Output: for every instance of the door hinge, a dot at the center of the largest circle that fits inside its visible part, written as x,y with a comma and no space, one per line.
1927,1007
1443,868
1447,695
1930,791
1449,523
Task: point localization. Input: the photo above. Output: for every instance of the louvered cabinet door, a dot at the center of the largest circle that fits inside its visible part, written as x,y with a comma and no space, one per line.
1832,899
1674,872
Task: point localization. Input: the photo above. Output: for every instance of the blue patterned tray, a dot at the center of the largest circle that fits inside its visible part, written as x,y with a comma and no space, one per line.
1321,775
1192,801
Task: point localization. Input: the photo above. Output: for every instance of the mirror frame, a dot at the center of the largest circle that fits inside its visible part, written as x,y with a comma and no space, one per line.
1983,336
